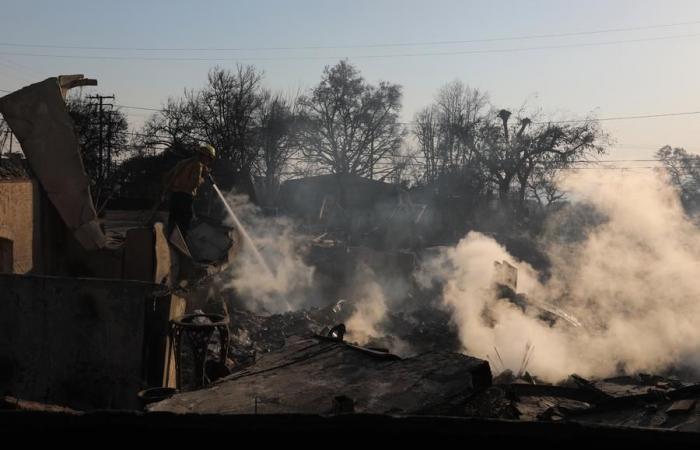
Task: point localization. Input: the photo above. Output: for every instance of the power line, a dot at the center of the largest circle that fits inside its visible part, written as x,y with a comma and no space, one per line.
104,160
18,77
602,119
594,164
388,55
144,108
605,119
350,46
569,168
23,67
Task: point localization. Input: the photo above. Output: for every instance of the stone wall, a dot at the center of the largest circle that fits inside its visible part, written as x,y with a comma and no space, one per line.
19,215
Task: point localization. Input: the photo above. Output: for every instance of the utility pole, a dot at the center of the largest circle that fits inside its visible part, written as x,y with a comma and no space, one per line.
8,137
108,169
2,144
101,166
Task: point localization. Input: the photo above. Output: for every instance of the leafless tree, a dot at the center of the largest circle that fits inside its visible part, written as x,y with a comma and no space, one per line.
223,114
350,126
461,133
405,168
543,183
277,140
171,128
683,169
514,152
461,110
447,130
427,134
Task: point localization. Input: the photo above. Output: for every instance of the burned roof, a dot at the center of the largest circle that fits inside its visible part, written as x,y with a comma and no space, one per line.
320,376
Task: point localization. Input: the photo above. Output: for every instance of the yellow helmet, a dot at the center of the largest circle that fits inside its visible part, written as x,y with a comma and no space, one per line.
208,150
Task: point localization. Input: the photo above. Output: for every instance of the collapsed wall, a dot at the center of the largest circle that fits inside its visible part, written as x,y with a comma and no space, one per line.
38,117
83,343
93,329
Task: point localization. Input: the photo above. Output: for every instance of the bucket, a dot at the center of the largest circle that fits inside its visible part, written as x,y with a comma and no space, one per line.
156,394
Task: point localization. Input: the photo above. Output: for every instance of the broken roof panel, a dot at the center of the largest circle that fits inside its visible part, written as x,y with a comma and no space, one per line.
311,375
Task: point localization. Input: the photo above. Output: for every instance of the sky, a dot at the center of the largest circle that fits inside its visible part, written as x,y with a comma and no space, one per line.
652,69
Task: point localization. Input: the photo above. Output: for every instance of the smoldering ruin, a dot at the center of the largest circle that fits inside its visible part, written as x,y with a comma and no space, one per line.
350,296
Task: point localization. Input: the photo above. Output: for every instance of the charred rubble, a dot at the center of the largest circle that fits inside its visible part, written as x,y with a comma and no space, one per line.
101,310
298,347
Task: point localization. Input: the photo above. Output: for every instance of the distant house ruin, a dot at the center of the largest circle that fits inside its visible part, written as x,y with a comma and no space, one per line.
354,208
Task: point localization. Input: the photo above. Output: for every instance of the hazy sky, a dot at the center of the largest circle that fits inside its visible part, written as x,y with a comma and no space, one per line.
617,79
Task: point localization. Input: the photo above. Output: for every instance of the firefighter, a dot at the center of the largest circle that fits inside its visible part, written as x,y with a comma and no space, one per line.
182,182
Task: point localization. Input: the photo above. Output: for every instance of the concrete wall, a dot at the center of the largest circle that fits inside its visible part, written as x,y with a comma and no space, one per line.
83,343
19,222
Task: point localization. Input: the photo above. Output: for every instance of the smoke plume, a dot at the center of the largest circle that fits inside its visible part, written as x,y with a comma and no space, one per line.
370,310
630,279
288,284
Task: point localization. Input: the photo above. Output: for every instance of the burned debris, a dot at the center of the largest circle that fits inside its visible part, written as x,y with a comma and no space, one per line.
86,300
308,376
109,308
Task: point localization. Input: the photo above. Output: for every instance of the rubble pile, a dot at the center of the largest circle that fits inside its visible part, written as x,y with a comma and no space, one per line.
253,334
321,374
408,333
639,401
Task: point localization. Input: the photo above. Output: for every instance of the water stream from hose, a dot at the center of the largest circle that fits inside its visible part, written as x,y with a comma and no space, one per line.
246,237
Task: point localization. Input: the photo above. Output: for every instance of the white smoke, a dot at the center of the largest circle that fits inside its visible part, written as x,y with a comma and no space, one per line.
632,281
372,295
370,310
485,322
288,284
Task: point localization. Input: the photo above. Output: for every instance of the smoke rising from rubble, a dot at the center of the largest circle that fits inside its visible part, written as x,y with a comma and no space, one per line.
370,309
289,284
373,295
631,280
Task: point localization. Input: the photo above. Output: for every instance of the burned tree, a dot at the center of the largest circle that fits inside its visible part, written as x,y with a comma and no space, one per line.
460,135
510,154
350,125
542,184
683,169
277,139
427,134
447,130
224,114
171,128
